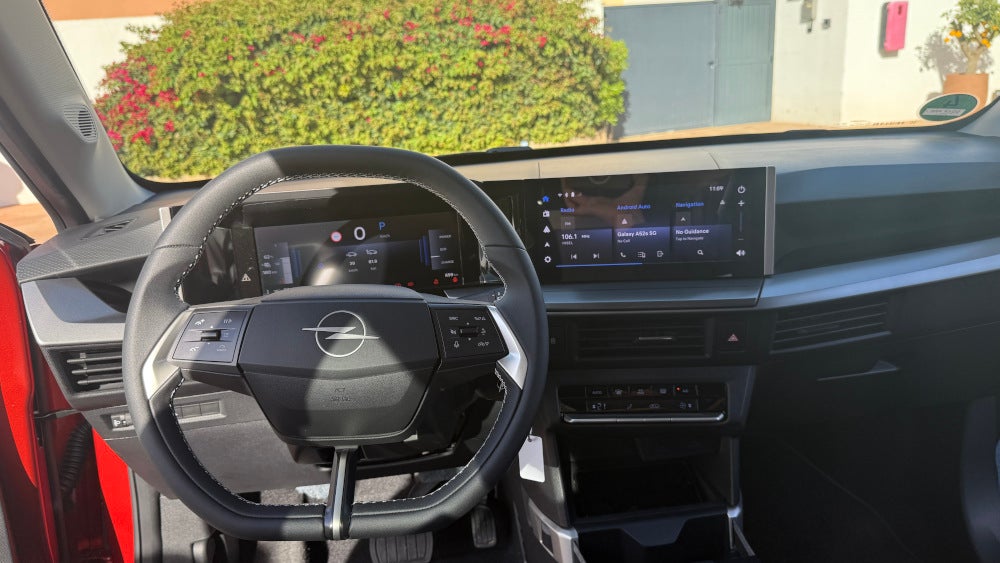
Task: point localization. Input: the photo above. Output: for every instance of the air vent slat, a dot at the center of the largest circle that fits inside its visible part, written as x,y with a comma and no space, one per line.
97,370
100,381
94,369
92,357
642,339
830,324
836,316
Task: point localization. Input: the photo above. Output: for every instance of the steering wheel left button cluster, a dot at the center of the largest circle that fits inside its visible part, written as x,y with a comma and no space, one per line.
210,336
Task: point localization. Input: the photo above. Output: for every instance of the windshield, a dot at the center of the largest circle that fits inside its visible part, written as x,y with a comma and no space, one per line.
187,89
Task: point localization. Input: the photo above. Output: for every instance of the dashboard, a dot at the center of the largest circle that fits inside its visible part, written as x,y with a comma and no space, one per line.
853,262
694,225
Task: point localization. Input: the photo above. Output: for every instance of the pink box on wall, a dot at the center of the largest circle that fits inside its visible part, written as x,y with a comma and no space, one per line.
894,34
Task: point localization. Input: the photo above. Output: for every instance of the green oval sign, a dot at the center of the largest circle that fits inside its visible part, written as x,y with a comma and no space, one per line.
948,107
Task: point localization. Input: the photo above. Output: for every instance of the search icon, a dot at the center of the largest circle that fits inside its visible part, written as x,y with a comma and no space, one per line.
701,252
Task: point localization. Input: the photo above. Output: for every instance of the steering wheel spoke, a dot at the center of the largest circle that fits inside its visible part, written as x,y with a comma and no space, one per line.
340,500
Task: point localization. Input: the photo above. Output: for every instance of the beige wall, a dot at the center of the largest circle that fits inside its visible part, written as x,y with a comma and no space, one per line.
90,9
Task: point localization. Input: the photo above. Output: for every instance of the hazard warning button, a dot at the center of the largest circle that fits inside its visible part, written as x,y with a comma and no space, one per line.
730,336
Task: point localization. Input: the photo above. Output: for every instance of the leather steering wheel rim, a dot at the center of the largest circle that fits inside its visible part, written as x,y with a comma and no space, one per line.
156,306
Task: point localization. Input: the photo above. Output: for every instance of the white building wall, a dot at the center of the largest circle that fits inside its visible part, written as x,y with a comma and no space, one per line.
808,63
93,44
837,74
891,87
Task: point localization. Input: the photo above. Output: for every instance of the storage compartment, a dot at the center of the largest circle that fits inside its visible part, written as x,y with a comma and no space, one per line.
651,495
617,490
697,534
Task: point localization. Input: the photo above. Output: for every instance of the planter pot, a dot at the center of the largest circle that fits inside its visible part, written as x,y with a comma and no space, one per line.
975,84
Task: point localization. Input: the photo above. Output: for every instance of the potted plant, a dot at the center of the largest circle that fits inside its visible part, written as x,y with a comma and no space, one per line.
972,27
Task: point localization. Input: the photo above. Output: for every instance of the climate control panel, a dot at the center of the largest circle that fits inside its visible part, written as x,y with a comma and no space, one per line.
643,402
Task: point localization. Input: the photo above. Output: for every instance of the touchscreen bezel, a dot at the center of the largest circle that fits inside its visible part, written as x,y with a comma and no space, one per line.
759,261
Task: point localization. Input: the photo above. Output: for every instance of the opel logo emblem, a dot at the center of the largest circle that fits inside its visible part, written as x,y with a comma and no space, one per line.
340,334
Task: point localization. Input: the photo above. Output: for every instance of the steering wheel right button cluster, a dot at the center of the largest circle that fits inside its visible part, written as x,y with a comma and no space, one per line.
469,335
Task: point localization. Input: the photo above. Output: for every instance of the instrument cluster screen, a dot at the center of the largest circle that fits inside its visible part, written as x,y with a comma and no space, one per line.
417,251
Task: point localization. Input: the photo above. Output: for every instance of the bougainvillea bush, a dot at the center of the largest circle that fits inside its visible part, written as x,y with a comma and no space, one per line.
221,80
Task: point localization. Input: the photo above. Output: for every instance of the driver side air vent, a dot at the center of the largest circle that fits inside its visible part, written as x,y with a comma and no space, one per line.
661,338
830,323
94,370
110,229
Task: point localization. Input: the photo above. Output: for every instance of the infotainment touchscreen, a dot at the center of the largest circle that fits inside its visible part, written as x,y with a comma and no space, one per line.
687,225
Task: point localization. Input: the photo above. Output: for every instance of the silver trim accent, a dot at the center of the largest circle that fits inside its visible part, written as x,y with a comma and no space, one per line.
514,363
164,217
605,419
563,539
333,522
156,370
737,541
769,206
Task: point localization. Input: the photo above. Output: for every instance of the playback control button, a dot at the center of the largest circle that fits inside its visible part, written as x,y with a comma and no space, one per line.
469,332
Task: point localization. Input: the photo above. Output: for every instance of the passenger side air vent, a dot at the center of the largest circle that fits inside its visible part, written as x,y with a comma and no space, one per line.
830,323
662,338
94,370
109,229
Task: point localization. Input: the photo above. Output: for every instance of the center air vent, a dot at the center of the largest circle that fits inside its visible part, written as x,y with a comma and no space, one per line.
661,338
94,370
830,323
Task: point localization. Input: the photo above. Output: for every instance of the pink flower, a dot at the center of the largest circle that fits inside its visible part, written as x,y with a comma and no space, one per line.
145,134
251,48
410,25
187,34
168,126
542,40
409,38
386,13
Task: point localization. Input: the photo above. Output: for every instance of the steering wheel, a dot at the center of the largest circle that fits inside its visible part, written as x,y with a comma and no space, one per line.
337,366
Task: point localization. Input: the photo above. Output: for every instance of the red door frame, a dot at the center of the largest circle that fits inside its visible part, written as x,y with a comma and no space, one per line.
23,474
